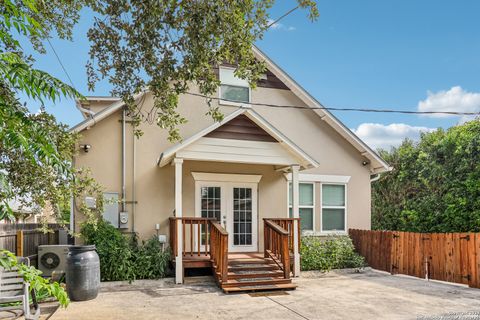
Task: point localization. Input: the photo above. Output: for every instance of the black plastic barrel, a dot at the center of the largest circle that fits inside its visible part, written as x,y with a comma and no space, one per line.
83,273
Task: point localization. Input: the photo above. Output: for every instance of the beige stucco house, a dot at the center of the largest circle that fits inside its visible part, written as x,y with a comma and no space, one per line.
237,172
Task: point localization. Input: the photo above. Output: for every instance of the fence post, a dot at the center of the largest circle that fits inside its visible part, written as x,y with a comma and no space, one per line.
19,238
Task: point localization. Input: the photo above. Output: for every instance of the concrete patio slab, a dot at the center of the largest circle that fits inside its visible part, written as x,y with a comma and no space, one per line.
336,295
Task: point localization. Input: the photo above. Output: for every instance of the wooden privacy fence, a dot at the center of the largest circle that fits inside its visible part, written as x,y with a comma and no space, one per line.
24,239
452,257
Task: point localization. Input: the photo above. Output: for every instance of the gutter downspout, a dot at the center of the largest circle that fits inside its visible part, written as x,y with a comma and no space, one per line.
376,177
133,177
124,193
82,109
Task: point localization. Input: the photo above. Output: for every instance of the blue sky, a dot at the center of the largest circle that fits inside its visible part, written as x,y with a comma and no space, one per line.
409,54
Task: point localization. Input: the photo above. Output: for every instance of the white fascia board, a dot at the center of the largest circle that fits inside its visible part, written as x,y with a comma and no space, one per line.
326,178
226,177
336,124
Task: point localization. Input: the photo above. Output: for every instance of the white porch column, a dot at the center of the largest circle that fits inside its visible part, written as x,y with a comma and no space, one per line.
295,214
178,213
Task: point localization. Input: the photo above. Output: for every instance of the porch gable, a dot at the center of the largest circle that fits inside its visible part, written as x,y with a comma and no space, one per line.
242,137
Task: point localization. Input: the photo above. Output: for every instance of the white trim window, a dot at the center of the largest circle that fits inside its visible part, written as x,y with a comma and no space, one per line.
233,90
306,205
334,208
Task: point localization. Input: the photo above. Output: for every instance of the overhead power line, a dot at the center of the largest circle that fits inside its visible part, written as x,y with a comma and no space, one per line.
61,64
373,110
281,17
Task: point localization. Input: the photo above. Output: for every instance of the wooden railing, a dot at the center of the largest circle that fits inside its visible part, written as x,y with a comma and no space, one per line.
276,243
194,229
219,251
287,224
202,236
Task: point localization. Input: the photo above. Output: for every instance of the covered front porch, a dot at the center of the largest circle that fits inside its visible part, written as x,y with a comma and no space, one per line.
249,240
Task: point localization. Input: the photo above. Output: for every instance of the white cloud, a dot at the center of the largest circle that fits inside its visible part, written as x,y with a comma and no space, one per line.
378,135
280,26
456,99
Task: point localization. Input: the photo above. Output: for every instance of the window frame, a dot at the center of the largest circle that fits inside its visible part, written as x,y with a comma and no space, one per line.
312,231
344,207
232,103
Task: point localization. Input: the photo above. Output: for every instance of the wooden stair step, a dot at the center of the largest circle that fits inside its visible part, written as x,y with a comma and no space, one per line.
249,261
255,282
238,274
286,286
259,267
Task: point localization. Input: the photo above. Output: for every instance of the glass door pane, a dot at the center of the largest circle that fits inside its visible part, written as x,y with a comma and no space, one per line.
210,206
242,216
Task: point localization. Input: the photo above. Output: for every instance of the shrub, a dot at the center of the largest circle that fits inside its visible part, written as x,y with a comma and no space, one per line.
335,252
149,259
122,257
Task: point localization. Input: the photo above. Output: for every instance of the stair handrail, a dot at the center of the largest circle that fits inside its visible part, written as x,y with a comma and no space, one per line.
276,245
219,251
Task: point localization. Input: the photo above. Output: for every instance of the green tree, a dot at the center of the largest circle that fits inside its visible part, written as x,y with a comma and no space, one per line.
162,46
35,151
435,184
166,46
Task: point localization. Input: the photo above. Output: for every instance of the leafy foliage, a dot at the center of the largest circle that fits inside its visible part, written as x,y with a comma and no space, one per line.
33,276
122,258
35,151
165,46
435,184
335,252
162,46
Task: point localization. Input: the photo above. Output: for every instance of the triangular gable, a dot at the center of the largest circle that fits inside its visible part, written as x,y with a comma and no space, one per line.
278,140
241,128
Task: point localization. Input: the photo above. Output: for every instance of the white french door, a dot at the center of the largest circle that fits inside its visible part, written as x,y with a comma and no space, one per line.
234,205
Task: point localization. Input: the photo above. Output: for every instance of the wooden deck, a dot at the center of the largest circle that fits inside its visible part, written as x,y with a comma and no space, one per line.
204,261
238,272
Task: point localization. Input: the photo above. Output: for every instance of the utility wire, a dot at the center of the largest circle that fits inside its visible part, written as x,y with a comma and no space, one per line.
370,110
281,17
337,108
61,64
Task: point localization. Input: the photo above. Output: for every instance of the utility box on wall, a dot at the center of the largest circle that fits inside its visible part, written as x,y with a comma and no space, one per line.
123,220
110,208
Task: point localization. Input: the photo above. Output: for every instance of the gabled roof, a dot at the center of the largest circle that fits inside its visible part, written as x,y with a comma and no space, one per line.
377,163
303,158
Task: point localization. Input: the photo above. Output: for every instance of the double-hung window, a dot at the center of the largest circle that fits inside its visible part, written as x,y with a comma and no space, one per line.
232,88
306,205
333,208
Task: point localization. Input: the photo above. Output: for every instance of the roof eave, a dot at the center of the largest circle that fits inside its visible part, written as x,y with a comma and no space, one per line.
323,113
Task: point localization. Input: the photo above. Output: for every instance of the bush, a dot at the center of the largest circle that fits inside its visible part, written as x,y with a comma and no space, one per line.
332,253
149,260
121,257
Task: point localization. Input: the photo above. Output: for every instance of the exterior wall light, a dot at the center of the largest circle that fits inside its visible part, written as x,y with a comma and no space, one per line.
85,147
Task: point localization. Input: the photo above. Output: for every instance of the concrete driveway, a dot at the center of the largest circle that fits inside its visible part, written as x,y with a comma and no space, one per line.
336,295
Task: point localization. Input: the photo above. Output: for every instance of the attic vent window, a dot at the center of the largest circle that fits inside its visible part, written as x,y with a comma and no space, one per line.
233,89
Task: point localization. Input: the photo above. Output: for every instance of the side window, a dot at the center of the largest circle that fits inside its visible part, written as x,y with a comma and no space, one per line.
306,204
333,207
